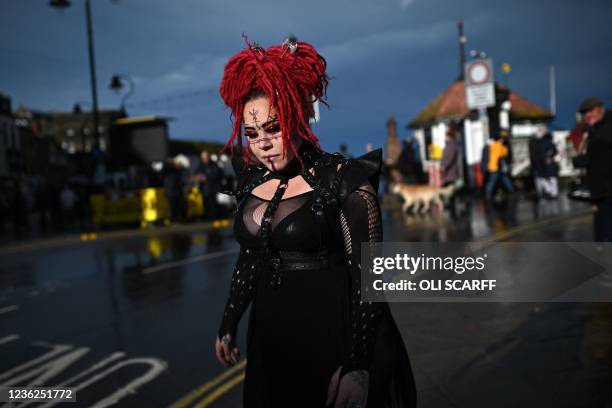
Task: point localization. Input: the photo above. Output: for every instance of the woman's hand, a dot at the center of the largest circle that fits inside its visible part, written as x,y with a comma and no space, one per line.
352,390
226,350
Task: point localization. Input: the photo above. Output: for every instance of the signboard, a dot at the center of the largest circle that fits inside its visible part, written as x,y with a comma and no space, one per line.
479,84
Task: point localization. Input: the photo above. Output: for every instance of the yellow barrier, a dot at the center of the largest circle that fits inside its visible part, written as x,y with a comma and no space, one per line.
149,205
195,206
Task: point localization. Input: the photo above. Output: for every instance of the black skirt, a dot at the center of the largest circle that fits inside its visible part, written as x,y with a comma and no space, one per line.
298,335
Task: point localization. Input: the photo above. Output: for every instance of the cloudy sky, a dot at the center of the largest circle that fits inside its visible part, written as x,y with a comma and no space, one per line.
385,56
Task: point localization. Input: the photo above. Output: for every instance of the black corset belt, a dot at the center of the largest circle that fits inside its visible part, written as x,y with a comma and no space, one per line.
299,261
296,260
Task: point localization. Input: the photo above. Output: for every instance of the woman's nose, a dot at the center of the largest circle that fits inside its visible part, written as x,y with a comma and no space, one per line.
265,144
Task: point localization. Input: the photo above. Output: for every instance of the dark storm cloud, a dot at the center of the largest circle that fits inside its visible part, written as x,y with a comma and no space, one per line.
385,56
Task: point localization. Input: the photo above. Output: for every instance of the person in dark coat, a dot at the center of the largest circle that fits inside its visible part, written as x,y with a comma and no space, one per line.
543,156
450,162
173,182
599,164
484,163
210,176
505,138
409,164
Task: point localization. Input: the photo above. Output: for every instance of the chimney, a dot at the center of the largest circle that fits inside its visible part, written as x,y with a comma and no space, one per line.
394,145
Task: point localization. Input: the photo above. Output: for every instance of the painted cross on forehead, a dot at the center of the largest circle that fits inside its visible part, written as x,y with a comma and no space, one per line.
253,114
257,121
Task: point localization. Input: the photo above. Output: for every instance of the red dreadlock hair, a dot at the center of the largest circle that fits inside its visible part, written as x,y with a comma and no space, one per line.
291,77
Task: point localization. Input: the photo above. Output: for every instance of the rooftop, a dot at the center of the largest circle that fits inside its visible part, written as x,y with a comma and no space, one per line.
451,105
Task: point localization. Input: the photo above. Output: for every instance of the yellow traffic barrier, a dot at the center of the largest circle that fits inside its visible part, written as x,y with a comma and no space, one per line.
195,203
147,206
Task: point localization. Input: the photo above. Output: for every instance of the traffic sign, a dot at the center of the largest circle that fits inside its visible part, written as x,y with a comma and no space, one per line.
479,84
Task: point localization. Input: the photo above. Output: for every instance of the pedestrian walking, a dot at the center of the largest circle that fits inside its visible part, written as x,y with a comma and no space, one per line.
409,164
302,216
599,164
173,181
497,167
505,138
544,165
449,164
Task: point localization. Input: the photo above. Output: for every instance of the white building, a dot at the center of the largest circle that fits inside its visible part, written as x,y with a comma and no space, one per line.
512,112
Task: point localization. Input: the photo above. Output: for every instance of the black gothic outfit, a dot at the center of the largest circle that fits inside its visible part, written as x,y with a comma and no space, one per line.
301,270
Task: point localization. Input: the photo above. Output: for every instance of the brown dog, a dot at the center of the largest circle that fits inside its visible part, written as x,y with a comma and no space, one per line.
424,194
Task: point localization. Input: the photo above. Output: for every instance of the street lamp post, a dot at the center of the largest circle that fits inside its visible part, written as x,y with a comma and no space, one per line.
116,85
462,42
62,4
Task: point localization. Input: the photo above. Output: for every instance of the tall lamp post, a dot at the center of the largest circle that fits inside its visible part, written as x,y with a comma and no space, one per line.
116,85
63,4
462,42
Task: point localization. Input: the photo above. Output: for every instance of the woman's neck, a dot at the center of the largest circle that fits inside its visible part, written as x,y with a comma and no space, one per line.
308,153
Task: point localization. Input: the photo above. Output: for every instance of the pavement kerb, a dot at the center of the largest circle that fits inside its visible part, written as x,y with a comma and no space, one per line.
93,236
519,229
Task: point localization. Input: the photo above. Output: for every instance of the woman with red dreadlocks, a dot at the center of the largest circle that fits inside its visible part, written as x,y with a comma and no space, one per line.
301,217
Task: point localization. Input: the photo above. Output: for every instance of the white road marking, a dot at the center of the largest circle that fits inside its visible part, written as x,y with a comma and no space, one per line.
187,261
83,373
9,309
157,366
44,372
9,338
56,349
42,369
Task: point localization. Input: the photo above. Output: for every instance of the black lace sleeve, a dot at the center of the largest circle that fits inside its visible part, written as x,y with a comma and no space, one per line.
241,292
360,220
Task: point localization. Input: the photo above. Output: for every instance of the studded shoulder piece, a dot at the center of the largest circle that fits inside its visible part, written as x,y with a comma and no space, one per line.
355,172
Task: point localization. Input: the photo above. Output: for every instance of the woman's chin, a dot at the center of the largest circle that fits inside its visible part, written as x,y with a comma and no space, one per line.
275,165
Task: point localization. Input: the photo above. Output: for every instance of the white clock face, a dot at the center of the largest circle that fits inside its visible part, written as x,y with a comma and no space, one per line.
479,73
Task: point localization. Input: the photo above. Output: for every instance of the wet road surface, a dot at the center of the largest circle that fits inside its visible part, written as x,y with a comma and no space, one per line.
131,320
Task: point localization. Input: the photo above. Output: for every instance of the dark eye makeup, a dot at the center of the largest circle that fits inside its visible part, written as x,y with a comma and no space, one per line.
273,128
